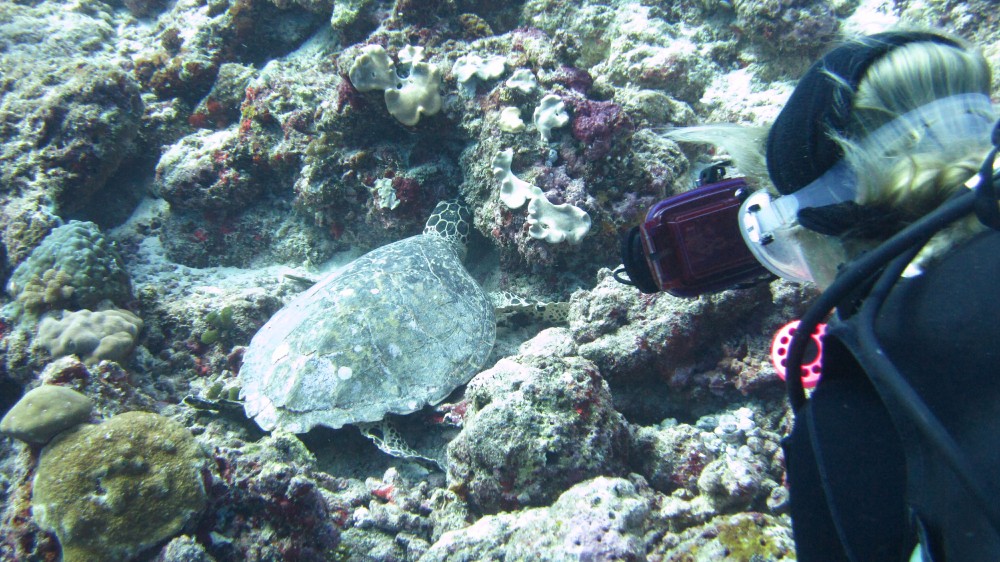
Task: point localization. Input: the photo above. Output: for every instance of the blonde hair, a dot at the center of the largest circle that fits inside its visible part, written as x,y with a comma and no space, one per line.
905,180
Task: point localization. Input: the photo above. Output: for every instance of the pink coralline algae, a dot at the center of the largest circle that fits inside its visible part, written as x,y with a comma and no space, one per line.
600,126
574,78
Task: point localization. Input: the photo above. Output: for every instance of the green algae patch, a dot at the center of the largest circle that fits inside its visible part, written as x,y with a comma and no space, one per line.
741,537
751,537
112,490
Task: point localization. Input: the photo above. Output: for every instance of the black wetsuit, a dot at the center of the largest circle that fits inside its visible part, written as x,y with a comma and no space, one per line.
942,331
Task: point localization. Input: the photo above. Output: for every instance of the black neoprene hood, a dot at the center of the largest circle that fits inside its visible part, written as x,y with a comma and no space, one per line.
799,146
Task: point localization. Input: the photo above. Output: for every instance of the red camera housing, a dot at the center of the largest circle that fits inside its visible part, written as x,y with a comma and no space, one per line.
693,243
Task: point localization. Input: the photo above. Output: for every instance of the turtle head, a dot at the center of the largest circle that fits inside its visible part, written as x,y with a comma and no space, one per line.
452,220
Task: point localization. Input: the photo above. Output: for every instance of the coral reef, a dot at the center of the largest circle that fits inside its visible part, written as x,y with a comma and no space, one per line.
112,389
600,519
45,411
534,426
136,478
407,98
802,27
74,267
67,130
91,336
745,536
173,173
269,485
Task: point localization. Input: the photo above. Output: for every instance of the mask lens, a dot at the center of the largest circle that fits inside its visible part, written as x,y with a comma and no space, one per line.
771,239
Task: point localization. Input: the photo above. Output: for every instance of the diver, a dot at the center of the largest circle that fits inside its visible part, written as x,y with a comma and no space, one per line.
882,165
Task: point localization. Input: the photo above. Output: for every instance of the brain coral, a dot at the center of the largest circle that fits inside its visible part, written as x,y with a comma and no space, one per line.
74,267
112,490
91,336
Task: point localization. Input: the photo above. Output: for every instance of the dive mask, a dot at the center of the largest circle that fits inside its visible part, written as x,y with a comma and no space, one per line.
771,228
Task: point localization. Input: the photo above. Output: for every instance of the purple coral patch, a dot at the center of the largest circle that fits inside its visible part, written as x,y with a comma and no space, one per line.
599,125
574,78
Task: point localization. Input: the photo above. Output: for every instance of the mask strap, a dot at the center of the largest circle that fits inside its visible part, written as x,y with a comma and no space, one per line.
986,193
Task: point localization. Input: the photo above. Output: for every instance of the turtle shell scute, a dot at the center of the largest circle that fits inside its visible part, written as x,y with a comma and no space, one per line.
397,329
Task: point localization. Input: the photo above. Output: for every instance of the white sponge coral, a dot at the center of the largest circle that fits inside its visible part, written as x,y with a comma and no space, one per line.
555,223
406,98
373,70
552,223
522,80
550,114
514,191
418,95
510,120
472,69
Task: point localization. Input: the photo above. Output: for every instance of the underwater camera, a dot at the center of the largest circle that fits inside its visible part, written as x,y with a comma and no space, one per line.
690,244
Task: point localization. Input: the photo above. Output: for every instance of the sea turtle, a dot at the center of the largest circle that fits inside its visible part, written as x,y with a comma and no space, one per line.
396,329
